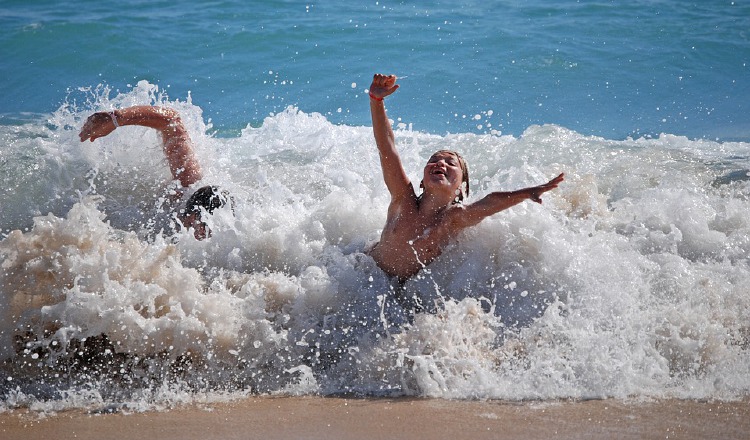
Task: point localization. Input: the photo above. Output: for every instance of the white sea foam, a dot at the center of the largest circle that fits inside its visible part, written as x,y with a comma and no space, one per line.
630,280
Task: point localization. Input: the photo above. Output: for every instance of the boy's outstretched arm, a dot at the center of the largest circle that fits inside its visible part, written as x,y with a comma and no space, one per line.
394,175
176,140
499,201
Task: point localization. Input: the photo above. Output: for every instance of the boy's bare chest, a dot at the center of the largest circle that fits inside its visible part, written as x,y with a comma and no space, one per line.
417,230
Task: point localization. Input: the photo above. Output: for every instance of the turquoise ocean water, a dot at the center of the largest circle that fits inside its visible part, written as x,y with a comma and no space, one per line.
630,281
613,69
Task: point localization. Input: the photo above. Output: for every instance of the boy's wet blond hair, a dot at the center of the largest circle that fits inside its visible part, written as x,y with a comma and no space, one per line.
464,173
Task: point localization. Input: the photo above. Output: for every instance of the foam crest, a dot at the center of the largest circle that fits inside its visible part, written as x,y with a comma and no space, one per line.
630,279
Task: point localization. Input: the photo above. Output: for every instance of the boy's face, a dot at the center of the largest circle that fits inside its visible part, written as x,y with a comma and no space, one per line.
200,230
443,171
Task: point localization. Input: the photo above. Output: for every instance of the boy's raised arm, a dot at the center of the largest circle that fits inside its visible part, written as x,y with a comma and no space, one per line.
499,201
176,141
394,175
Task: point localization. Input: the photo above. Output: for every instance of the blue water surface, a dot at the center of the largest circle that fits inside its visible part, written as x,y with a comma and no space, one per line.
607,68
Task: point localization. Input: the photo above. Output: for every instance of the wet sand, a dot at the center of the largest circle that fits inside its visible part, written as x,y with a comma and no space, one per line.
342,418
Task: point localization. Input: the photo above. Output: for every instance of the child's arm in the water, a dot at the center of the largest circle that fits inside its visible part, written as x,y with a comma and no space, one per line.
176,140
498,201
394,175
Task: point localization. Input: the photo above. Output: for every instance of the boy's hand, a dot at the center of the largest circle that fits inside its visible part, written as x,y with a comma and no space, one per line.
383,85
97,125
537,191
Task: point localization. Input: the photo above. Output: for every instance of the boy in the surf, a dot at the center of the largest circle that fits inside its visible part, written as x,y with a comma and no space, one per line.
418,227
178,149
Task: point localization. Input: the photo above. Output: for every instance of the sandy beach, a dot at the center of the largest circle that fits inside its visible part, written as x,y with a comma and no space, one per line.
343,418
